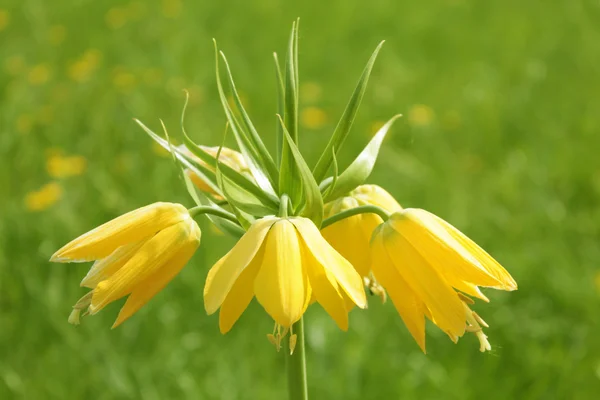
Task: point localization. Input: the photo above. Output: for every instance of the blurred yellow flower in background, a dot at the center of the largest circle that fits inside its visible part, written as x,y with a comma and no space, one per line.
116,17
43,198
310,92
284,262
136,254
59,166
124,80
420,115
39,74
83,68
4,19
313,117
422,261
171,8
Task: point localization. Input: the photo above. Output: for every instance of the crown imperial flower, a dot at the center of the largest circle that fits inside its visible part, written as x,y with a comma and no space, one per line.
351,236
284,262
135,255
425,263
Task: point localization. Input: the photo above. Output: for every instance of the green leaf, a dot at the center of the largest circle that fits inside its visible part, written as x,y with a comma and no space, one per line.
329,184
311,199
263,156
360,169
202,171
186,179
245,140
223,224
280,106
343,127
289,181
236,177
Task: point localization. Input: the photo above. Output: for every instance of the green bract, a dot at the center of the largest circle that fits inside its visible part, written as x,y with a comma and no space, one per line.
267,179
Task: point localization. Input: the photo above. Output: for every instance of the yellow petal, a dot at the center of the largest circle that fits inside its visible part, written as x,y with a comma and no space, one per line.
325,289
240,294
128,228
281,285
440,249
408,305
151,256
377,196
351,241
424,280
105,267
226,271
485,260
338,266
149,287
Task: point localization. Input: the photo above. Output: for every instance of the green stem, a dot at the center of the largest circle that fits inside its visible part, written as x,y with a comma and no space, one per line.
283,205
296,365
213,211
355,211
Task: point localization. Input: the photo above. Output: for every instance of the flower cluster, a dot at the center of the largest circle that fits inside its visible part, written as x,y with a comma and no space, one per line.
306,235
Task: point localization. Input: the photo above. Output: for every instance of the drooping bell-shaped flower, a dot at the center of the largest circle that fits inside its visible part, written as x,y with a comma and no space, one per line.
136,255
428,267
351,236
284,262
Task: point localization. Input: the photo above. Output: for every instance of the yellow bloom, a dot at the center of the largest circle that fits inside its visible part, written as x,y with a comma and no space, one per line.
313,117
284,262
41,199
136,254
351,236
422,261
59,166
229,157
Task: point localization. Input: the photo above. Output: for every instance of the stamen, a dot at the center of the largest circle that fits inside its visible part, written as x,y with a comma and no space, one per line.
465,298
375,288
474,326
293,340
83,303
278,334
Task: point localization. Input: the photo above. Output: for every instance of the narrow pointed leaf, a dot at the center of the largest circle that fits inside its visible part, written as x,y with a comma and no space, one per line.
343,127
232,174
311,199
243,138
264,157
289,181
202,171
360,169
280,106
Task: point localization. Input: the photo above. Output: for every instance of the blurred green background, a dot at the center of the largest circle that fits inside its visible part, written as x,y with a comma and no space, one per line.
501,137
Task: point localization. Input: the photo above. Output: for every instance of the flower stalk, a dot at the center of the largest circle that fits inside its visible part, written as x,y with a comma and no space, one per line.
370,209
296,363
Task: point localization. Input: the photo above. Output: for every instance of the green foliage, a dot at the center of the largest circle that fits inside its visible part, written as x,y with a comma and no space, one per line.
500,137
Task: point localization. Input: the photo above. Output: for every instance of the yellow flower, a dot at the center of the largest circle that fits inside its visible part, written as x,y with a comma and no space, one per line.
351,236
45,197
422,261
313,117
136,254
284,262
229,157
420,115
59,166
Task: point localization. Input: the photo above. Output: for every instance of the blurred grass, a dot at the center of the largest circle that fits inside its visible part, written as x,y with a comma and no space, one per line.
501,137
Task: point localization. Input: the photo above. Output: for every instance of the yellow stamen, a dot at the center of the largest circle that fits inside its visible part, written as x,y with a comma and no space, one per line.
83,303
375,288
474,326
